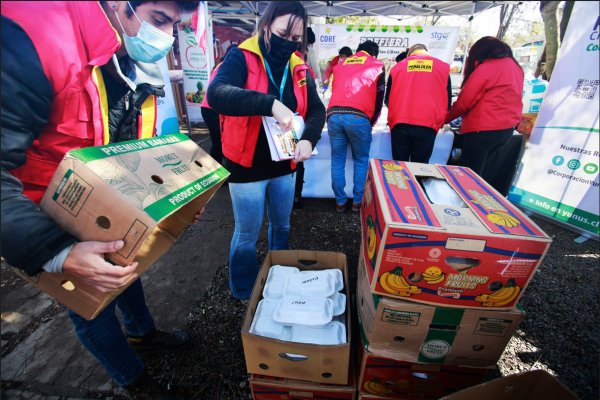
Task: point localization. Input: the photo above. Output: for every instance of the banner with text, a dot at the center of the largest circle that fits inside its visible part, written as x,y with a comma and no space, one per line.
195,47
392,40
559,175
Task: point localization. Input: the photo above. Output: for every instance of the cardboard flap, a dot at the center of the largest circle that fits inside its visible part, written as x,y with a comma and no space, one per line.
406,202
494,211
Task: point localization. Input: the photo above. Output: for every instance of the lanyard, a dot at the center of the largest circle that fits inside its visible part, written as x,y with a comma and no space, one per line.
283,78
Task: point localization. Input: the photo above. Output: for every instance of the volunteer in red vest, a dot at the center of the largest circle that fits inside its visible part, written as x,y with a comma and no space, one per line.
420,94
263,77
356,99
343,53
490,101
80,74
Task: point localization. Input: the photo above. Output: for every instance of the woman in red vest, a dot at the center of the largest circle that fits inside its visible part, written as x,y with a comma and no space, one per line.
263,77
490,101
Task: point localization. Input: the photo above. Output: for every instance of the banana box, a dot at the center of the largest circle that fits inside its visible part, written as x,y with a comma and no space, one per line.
415,332
270,388
294,360
144,192
393,379
440,234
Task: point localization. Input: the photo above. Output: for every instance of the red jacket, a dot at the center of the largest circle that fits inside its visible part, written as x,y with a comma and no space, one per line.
80,41
239,134
419,92
355,83
491,99
334,61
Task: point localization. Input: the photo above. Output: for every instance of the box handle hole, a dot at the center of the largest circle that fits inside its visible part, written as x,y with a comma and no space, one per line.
293,357
68,285
263,366
462,264
157,179
307,263
478,347
326,374
103,222
399,339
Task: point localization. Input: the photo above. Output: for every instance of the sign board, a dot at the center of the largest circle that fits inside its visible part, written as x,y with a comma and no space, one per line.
559,175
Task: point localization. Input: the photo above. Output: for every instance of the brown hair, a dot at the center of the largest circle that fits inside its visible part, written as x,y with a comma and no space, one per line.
277,9
485,48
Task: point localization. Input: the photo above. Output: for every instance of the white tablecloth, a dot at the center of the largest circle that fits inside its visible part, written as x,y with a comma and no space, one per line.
317,175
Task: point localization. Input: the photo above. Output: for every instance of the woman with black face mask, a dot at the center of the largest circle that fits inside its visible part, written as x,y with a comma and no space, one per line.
263,77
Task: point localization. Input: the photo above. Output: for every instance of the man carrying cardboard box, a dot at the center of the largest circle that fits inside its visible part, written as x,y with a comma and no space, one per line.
67,83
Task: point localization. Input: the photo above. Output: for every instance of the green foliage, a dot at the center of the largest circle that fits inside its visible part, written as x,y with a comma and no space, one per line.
354,19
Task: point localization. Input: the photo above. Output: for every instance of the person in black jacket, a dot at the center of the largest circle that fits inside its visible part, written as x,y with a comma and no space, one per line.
50,107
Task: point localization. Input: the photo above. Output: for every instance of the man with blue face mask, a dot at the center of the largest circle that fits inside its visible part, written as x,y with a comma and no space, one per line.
68,82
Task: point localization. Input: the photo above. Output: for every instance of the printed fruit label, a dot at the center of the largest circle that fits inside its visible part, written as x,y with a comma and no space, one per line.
435,349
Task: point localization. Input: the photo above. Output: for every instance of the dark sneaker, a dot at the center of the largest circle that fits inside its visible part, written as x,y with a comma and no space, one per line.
159,342
356,207
340,208
146,388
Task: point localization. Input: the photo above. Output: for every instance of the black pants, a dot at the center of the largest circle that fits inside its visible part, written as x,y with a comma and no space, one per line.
412,143
211,119
479,147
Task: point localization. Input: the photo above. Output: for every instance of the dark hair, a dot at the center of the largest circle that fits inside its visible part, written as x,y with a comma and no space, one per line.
188,6
311,38
401,56
483,49
370,47
345,51
277,9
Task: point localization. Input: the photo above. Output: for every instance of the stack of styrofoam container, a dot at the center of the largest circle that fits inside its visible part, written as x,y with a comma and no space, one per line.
444,260
297,331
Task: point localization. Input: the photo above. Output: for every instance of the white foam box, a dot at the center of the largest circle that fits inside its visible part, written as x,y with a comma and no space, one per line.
300,361
144,192
456,254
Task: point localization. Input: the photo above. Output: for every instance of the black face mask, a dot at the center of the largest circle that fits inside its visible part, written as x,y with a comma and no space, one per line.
281,48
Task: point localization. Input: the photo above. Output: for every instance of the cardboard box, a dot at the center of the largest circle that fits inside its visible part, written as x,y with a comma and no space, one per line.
530,385
367,396
302,361
395,379
145,192
408,331
270,388
479,252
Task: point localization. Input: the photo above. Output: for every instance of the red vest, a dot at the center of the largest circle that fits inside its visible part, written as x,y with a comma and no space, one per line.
419,93
355,83
240,134
73,39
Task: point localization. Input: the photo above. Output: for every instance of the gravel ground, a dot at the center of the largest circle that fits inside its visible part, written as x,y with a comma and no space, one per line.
559,333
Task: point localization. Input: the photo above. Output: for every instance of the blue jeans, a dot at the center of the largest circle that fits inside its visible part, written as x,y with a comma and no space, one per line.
248,202
104,338
350,129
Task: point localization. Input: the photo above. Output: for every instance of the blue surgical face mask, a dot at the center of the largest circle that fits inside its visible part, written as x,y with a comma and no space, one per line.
149,45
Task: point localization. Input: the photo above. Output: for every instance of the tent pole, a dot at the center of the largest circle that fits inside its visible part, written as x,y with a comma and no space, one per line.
466,49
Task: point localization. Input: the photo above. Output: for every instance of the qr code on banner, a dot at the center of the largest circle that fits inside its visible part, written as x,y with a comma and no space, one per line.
586,89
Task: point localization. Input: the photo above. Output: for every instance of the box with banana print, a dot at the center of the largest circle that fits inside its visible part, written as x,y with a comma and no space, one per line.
440,234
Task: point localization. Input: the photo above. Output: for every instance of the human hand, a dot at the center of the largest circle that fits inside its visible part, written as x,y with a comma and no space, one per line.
283,115
86,261
303,151
198,215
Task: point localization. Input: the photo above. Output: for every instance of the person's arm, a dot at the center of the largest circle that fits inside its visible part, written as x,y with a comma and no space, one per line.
449,92
314,63
314,122
227,94
473,90
379,98
387,91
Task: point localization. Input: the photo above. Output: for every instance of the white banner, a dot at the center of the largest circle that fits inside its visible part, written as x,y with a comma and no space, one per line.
392,40
167,121
559,176
195,47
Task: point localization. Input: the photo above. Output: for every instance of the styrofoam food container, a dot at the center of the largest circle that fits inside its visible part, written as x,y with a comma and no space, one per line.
338,278
310,284
276,281
263,323
331,334
339,303
301,310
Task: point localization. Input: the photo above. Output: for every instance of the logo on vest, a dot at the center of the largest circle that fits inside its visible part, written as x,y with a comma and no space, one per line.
420,66
302,82
355,60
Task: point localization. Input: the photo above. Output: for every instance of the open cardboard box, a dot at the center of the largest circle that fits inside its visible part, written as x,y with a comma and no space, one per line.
467,246
530,385
415,332
302,361
145,192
